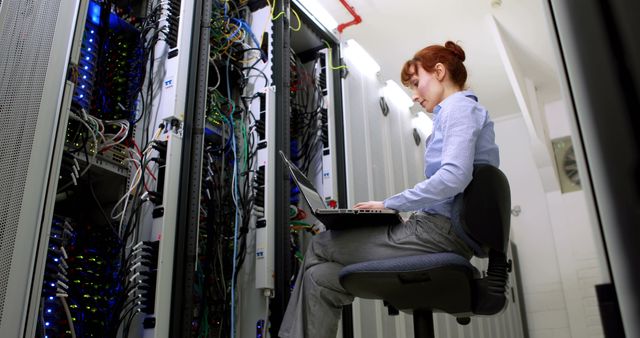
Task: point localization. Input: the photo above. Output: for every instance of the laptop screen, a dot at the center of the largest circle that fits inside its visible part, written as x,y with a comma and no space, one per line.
306,188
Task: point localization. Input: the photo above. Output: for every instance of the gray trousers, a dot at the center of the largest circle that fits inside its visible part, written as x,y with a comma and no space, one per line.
316,301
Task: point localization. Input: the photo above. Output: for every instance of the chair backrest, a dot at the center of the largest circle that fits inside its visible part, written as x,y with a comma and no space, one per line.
486,208
485,217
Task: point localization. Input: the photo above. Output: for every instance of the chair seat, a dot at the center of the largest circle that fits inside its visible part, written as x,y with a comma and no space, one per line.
438,281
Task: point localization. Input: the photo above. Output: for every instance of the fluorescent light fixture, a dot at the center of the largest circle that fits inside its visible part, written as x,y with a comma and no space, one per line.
360,58
319,13
393,91
423,123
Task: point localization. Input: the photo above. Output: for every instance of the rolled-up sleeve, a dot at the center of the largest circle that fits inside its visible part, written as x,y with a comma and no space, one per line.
460,125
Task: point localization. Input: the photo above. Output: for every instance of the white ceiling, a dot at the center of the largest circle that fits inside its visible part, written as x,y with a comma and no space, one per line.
392,31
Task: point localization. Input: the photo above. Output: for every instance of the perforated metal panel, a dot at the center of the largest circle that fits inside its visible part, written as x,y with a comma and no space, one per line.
26,37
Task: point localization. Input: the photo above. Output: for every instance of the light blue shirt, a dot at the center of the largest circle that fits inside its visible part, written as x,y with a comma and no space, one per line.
462,136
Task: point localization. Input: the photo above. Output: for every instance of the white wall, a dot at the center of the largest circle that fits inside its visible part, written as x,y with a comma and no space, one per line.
532,232
558,258
573,226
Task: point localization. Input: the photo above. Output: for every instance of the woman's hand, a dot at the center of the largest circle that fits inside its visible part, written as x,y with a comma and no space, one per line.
369,205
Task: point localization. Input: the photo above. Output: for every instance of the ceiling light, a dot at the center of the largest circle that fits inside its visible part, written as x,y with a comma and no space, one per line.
359,57
423,123
320,13
393,91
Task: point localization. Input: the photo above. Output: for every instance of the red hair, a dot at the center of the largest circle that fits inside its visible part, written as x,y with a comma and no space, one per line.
450,55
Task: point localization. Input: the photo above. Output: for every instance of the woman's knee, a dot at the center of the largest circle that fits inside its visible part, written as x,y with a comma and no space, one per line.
325,275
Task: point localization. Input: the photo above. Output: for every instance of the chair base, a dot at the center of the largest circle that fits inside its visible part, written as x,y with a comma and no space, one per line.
423,324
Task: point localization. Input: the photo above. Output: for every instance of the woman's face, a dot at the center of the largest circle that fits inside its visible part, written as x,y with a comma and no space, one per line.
427,88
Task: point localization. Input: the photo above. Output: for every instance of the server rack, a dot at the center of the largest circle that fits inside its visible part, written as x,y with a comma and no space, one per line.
272,261
191,166
309,38
86,68
33,76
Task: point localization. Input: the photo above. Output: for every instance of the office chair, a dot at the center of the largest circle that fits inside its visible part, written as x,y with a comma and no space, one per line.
447,282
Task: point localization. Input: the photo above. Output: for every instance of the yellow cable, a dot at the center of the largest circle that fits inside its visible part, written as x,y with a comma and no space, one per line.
273,9
330,62
299,22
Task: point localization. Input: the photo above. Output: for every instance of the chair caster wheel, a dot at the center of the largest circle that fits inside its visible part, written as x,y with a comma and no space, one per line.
463,320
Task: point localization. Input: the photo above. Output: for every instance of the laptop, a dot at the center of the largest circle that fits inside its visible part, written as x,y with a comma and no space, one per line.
336,219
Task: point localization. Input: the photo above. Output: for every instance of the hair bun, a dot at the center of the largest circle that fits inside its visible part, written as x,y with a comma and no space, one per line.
457,50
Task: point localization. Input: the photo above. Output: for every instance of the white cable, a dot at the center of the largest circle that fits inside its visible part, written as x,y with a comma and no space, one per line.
126,201
132,187
120,136
215,67
69,318
95,142
266,318
134,184
234,195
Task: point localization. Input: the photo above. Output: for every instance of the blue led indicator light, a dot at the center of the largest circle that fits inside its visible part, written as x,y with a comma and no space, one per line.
94,12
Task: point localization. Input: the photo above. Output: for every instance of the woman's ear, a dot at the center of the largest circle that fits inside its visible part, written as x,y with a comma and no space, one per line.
440,71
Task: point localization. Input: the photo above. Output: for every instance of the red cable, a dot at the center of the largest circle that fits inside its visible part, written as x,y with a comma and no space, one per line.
356,18
147,166
145,182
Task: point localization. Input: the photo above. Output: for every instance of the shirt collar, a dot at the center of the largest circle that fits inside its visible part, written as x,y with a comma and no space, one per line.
452,98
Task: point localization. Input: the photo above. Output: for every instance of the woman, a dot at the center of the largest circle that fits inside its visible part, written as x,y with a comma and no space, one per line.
462,136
